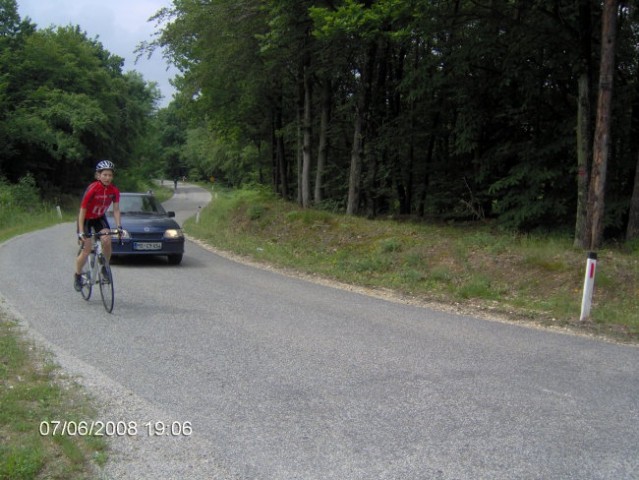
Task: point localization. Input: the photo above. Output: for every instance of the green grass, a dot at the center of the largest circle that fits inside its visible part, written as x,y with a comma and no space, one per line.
15,222
524,277
162,193
34,390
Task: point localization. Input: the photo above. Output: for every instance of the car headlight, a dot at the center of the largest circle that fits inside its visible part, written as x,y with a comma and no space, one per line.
173,233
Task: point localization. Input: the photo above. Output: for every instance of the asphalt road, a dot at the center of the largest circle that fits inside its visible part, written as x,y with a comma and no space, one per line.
284,379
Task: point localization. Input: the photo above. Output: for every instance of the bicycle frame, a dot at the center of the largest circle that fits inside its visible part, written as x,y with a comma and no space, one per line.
94,254
92,271
96,250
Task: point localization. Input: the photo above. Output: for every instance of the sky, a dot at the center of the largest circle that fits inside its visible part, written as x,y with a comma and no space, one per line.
120,25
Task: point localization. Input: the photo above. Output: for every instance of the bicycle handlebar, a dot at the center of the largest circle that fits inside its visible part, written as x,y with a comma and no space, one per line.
102,234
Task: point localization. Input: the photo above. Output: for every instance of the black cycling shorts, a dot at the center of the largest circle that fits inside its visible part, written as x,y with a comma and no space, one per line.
96,224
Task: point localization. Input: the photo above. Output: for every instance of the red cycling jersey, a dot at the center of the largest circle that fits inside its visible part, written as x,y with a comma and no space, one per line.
98,198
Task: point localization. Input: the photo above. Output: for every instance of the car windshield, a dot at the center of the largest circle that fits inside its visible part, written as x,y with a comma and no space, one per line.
140,204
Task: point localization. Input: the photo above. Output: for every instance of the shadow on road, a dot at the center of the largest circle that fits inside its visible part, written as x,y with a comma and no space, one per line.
154,261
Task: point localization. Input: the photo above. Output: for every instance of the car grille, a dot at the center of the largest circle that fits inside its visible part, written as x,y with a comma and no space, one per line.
147,236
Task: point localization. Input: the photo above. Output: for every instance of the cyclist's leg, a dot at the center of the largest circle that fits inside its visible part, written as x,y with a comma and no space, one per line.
81,260
105,239
84,252
106,246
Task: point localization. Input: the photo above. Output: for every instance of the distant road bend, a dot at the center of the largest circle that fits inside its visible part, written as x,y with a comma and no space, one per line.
281,378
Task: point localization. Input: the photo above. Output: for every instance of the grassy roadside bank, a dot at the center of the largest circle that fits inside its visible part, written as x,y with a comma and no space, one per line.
475,268
34,395
34,390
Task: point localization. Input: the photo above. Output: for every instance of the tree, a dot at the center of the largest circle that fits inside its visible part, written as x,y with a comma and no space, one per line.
288,48
455,110
632,231
322,149
222,83
584,130
602,142
360,24
64,103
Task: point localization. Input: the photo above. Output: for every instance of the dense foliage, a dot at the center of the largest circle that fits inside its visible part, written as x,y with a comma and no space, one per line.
437,109
65,103
456,109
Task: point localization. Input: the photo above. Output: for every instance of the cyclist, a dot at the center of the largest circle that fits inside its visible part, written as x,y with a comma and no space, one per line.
95,202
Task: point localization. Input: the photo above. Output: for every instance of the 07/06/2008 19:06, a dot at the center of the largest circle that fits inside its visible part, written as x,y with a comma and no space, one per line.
114,429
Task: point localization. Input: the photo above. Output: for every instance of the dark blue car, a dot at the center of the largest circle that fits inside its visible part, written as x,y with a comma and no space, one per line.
148,228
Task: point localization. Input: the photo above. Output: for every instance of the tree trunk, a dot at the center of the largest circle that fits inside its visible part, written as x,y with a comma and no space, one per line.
584,154
584,131
280,175
275,167
306,147
404,178
601,147
323,140
427,164
359,127
355,176
299,134
632,231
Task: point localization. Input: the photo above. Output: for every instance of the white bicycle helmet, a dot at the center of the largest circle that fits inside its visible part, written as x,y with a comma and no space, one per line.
104,165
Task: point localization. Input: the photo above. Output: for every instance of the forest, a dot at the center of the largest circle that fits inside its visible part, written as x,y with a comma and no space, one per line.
439,110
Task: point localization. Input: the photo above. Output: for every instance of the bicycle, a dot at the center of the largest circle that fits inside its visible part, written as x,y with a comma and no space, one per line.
97,270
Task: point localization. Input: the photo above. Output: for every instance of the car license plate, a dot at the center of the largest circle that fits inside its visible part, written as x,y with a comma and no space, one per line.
147,246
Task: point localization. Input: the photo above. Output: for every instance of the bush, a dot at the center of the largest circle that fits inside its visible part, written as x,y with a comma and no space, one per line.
6,197
21,208
24,194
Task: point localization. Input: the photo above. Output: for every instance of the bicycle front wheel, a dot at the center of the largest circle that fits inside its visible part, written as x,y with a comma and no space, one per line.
106,285
87,283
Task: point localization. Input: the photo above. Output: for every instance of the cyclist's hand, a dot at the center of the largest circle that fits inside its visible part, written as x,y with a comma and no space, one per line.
80,237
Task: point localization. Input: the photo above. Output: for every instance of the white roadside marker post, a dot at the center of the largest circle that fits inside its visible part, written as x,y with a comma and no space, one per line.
589,283
197,215
59,210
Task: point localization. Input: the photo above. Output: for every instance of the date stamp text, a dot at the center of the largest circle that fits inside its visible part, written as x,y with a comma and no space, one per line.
114,428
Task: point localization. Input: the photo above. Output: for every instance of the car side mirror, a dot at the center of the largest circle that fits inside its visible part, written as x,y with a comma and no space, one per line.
171,214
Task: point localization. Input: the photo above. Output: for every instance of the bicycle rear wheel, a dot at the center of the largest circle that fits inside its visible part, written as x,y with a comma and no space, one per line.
107,292
87,284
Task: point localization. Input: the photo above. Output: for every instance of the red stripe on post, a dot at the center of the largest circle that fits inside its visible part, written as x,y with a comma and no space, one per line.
592,270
